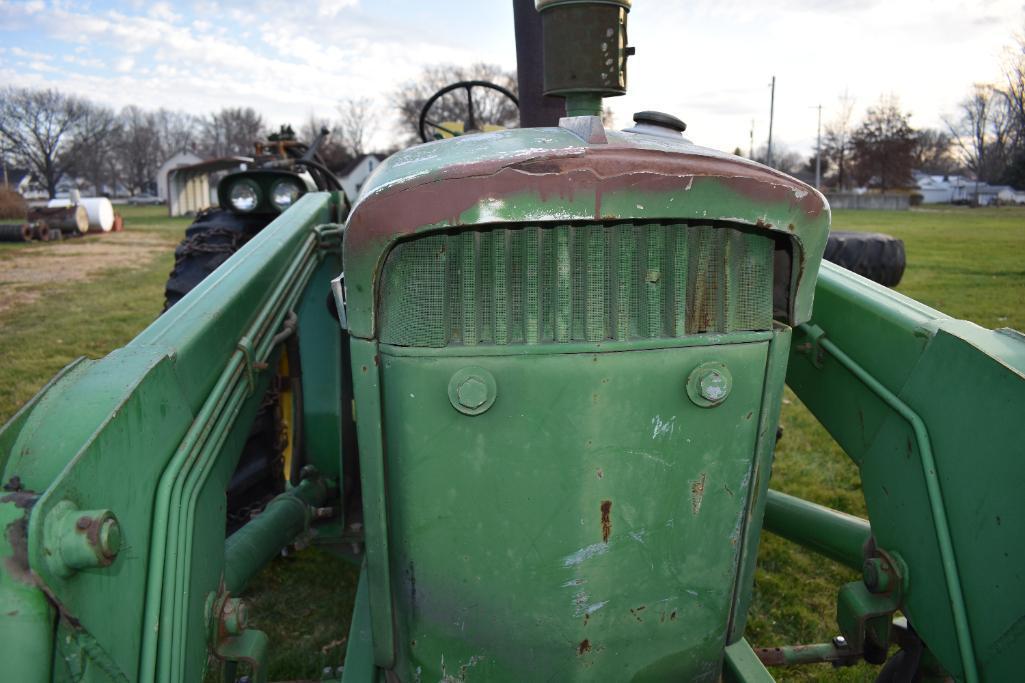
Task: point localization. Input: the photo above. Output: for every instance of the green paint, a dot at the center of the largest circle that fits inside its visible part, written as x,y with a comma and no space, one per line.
909,393
599,503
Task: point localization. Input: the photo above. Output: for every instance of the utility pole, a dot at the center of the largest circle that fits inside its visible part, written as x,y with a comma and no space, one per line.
751,150
818,153
772,113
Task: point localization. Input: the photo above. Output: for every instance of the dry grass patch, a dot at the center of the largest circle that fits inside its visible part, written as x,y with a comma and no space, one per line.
28,273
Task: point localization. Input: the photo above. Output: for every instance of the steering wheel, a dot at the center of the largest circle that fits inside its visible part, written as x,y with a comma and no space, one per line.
471,123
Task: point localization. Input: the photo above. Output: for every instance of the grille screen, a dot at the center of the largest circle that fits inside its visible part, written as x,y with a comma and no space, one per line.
529,284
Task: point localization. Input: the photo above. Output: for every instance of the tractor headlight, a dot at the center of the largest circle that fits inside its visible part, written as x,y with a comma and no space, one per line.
244,195
284,193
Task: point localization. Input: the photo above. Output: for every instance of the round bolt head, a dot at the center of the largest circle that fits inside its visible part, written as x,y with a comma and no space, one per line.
234,616
840,642
110,537
473,392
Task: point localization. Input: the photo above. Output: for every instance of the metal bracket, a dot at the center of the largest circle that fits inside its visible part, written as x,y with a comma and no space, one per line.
811,347
329,236
231,641
245,345
865,619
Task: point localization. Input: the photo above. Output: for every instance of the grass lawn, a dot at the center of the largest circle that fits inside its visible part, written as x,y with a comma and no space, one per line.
969,263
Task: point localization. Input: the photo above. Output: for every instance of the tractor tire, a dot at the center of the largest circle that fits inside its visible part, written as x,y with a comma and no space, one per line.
873,255
211,239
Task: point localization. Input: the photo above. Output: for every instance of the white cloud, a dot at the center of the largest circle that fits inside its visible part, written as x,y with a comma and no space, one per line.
707,61
163,12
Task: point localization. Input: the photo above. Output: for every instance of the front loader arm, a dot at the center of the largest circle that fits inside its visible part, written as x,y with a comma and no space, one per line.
114,475
930,409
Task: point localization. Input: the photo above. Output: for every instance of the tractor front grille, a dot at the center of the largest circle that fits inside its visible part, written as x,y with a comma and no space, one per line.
575,283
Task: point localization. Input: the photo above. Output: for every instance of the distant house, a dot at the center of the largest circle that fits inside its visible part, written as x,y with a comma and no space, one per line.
177,161
956,189
355,173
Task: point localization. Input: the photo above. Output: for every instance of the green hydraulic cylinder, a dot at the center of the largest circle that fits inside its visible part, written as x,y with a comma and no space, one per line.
287,516
833,534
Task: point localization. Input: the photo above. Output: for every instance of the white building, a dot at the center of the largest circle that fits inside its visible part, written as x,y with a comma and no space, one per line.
177,161
940,189
355,173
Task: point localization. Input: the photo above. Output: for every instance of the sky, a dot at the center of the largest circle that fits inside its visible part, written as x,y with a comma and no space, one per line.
709,62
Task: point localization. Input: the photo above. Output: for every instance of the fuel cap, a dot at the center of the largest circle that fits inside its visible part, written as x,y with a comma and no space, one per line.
660,119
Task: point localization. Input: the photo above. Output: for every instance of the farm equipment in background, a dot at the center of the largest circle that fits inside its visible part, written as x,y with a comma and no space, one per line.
542,406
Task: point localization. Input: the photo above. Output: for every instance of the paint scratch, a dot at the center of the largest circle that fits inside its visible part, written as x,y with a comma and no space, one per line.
584,554
662,427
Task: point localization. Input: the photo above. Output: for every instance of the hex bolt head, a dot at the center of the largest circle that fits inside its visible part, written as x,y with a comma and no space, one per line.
473,392
709,384
713,386
839,642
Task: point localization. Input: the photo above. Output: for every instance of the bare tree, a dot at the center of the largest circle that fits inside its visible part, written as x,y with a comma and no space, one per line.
233,130
982,131
933,152
332,151
357,123
836,145
1015,93
138,148
883,146
94,148
783,158
177,132
39,126
490,106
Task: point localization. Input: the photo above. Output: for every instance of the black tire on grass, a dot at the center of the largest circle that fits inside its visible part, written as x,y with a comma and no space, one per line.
873,255
211,239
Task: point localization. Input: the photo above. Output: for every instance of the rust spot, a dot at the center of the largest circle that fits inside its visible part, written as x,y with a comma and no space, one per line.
909,447
606,520
13,484
585,647
998,520
749,414
601,473
697,493
587,617
377,360
364,368
83,522
672,616
637,613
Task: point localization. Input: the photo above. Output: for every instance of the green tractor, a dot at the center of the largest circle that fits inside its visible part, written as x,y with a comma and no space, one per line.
540,414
